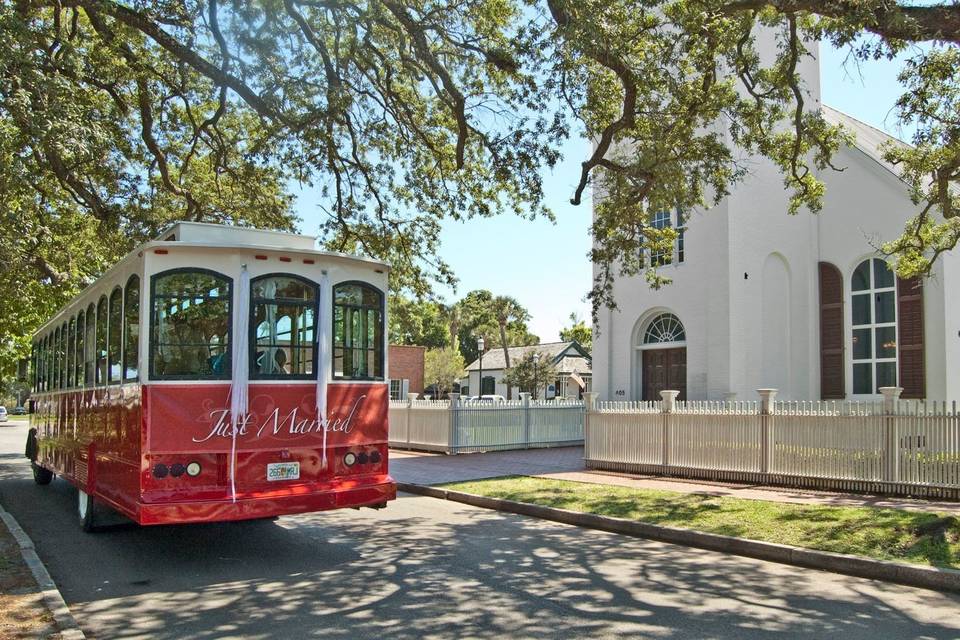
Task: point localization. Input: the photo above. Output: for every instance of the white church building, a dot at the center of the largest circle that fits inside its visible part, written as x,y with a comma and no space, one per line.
803,304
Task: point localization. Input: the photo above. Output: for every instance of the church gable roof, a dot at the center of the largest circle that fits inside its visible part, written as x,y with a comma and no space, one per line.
869,139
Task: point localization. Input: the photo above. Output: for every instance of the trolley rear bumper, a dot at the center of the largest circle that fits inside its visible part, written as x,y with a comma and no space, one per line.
249,507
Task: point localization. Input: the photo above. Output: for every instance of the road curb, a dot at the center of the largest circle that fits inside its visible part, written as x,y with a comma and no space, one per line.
69,629
912,575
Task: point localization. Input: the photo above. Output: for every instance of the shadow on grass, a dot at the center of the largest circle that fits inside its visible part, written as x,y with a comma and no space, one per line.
882,533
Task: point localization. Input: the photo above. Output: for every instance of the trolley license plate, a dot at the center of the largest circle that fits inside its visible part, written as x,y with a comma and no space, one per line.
283,471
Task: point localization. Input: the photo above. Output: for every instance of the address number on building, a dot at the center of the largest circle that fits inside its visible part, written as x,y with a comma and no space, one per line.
283,471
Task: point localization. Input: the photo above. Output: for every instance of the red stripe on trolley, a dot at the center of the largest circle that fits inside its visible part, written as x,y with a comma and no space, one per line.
284,259
260,257
162,252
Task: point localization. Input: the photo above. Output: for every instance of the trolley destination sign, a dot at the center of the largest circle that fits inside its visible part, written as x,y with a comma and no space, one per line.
278,416
291,423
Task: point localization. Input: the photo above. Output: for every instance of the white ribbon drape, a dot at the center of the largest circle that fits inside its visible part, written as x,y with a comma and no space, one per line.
240,369
323,360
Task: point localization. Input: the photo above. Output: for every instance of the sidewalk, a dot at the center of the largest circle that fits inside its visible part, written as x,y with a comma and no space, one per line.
23,613
566,463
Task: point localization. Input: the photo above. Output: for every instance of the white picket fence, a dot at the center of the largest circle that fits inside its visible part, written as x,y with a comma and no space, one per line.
890,446
455,426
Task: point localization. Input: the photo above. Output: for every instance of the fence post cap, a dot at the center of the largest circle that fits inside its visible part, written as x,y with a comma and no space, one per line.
525,397
590,400
766,400
412,396
891,396
668,400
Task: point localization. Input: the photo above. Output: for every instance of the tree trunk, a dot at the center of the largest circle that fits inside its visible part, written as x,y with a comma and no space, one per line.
506,356
454,330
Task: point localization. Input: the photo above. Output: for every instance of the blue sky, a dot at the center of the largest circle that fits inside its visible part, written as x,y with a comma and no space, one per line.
544,265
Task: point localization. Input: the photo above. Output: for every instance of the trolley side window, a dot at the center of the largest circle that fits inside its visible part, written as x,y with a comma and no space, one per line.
90,355
51,351
58,355
71,353
131,331
190,325
80,354
41,362
283,313
102,340
357,332
62,355
37,360
115,335
47,361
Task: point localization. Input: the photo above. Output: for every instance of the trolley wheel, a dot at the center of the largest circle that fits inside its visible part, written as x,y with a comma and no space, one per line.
87,510
41,475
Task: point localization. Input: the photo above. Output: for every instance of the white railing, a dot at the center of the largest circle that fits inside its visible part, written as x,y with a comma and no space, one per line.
893,446
456,426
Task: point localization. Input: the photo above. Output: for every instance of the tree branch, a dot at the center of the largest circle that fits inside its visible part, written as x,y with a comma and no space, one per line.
887,19
424,53
150,28
605,57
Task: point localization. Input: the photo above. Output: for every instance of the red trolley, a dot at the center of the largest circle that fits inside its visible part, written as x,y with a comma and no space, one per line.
217,373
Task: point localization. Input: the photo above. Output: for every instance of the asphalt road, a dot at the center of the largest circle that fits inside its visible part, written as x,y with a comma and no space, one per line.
426,568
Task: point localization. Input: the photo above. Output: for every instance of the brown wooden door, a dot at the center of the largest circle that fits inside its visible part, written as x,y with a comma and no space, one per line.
664,369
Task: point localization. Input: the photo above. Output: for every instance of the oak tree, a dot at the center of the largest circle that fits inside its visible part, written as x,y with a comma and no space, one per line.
118,117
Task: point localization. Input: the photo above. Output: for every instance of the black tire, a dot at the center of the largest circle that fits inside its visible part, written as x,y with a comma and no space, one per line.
41,475
88,511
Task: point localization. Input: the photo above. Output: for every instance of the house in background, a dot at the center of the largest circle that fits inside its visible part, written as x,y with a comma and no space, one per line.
572,361
405,370
803,303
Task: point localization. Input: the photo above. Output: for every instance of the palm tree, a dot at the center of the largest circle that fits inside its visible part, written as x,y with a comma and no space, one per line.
451,314
506,310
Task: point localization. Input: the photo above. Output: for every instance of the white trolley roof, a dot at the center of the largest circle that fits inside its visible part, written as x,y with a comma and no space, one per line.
218,234
203,234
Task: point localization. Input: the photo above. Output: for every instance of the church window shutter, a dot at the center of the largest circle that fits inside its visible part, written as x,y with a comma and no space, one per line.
832,383
910,338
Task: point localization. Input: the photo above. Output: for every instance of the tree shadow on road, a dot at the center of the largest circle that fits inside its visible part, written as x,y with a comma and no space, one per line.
428,568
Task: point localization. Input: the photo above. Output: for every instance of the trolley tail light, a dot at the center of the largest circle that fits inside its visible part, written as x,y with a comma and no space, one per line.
365,460
172,470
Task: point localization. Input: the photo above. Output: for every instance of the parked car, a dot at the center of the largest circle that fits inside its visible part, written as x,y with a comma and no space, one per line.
3,414
19,411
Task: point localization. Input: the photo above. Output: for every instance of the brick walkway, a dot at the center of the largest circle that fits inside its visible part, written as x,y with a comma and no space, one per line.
430,468
566,463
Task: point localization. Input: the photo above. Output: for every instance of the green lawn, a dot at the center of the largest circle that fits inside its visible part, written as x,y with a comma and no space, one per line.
886,534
